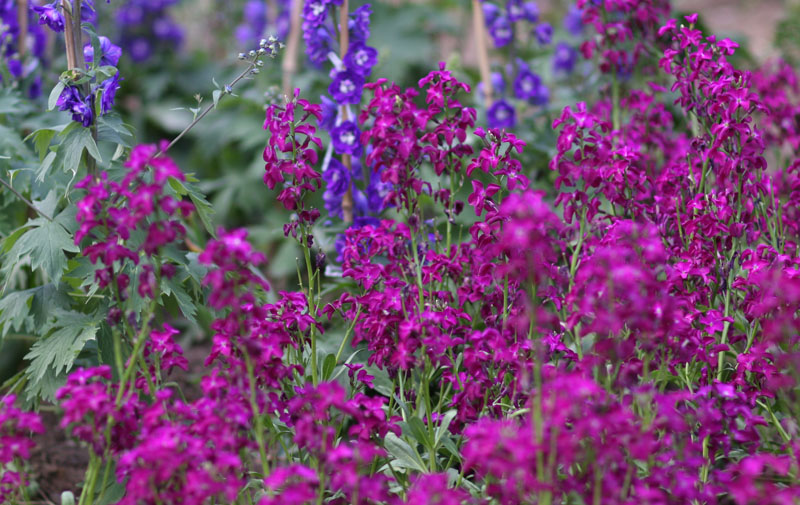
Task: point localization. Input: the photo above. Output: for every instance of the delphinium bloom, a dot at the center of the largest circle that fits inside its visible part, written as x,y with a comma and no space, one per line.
145,26
16,427
23,58
49,14
505,21
352,66
255,22
73,98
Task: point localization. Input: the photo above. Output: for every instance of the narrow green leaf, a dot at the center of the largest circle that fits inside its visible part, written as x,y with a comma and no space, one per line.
44,167
402,452
419,431
327,366
53,98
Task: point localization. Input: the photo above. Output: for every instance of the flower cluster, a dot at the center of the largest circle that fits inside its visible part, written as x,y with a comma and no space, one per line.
23,54
145,27
505,23
256,23
112,211
352,61
286,155
16,426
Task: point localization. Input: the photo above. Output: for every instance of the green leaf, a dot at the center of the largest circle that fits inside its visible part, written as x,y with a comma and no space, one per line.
105,72
204,209
327,366
58,351
419,431
54,94
11,143
45,388
48,205
402,452
216,95
44,167
71,149
14,311
185,303
443,427
41,141
9,241
111,128
45,243
46,299
10,102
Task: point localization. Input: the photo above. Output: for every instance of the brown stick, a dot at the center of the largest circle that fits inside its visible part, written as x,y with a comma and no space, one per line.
483,52
69,37
22,20
77,36
344,42
289,64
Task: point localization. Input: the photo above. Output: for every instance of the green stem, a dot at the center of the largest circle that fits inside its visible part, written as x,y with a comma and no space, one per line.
262,451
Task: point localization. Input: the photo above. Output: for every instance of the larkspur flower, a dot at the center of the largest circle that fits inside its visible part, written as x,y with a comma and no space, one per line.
544,33
50,15
501,115
346,87
361,58
109,52
346,138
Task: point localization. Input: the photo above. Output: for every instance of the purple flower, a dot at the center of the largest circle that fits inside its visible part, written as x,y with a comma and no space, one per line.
333,203
573,21
109,87
329,113
347,138
167,30
490,13
315,11
564,57
144,23
318,43
110,53
359,24
336,177
376,193
544,33
498,85
80,107
346,87
518,10
255,22
501,31
82,112
501,115
361,58
15,68
528,86
139,49
50,15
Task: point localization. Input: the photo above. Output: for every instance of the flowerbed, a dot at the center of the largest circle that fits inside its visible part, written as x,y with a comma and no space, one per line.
463,330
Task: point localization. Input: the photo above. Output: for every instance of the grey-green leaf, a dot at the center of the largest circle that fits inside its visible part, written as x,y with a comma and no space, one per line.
59,350
402,452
